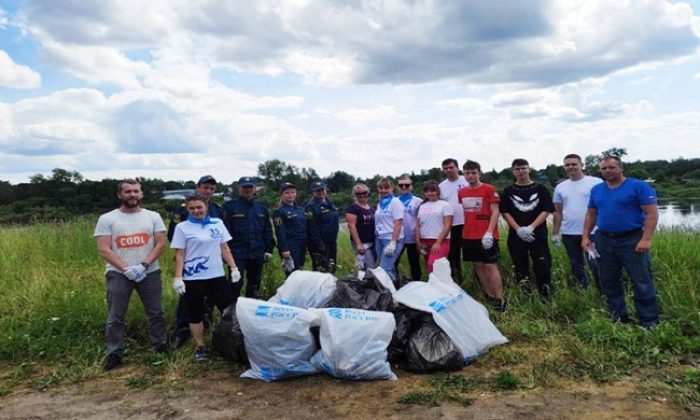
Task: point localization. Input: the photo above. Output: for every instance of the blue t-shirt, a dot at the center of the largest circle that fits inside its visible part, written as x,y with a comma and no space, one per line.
618,209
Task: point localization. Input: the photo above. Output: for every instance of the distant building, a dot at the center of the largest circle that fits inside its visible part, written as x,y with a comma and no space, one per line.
177,194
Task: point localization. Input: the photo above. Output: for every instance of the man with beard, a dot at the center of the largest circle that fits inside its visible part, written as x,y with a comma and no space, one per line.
131,239
248,222
206,187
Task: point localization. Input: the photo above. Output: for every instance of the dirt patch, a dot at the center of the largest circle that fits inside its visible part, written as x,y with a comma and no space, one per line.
222,395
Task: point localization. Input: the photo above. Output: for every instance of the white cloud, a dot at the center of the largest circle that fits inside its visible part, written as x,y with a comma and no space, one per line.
15,75
366,115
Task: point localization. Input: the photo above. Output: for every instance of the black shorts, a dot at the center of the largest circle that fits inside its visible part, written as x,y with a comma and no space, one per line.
473,250
218,289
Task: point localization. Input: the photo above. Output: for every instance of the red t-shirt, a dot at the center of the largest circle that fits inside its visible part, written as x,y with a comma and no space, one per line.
476,203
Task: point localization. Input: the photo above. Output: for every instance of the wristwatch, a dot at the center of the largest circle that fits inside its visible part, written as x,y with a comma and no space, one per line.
145,265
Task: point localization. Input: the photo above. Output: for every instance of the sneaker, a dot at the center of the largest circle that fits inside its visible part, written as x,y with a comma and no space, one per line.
201,354
113,361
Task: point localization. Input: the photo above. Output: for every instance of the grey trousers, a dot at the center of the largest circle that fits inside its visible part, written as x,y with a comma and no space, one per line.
119,290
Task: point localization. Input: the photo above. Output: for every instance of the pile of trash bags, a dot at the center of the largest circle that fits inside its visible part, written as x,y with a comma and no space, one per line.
352,328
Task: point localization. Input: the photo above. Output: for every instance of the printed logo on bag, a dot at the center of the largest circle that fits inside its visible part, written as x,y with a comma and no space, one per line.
136,240
195,266
352,314
445,302
276,312
215,233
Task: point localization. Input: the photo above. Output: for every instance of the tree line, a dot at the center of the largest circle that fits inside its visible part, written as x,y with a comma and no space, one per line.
66,194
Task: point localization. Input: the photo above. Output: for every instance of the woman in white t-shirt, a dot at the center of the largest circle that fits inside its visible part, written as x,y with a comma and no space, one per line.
388,224
433,225
200,246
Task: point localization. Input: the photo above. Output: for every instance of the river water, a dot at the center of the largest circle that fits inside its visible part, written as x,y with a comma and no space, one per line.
679,214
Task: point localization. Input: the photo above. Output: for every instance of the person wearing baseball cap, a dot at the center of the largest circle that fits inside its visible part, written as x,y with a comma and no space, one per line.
248,222
291,229
206,186
324,223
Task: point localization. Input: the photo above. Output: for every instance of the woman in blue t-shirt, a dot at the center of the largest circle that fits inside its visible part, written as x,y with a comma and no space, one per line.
200,247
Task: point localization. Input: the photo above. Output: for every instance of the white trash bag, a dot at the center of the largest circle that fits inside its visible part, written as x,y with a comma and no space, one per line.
463,319
277,339
306,289
354,343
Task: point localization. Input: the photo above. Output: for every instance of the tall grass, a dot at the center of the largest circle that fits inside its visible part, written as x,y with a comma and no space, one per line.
52,314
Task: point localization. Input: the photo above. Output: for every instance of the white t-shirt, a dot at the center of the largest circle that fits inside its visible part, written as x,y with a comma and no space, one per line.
431,218
384,219
448,192
573,196
202,245
132,235
409,219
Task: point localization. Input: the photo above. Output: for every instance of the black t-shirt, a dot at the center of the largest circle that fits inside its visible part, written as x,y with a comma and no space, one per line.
365,222
525,203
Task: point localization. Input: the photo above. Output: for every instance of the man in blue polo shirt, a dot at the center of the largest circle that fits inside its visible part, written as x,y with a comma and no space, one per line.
626,214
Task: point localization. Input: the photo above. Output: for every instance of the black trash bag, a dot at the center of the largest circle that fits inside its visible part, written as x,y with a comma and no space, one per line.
367,294
406,321
431,350
227,338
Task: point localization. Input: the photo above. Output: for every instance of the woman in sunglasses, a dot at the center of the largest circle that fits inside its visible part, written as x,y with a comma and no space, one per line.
410,203
360,218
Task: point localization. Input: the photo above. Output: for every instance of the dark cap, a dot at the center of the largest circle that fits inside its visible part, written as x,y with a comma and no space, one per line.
318,185
246,181
206,179
286,185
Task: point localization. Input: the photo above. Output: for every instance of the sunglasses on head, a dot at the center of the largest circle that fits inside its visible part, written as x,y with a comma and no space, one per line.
404,185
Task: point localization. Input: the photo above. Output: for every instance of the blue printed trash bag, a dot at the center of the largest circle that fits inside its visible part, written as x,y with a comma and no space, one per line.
354,343
462,318
277,339
306,289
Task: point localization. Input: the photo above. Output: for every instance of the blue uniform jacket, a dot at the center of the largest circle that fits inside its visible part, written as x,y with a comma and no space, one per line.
291,227
181,214
248,222
324,223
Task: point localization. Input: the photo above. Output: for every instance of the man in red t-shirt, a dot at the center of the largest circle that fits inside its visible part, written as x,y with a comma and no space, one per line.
480,233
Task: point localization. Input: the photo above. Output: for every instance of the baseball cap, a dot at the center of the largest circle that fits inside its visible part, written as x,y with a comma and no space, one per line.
286,185
246,181
318,185
206,179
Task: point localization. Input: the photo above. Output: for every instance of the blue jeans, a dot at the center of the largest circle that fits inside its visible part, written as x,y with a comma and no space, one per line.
616,253
572,244
388,262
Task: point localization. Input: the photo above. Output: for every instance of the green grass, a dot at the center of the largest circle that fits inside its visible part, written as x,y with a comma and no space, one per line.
52,314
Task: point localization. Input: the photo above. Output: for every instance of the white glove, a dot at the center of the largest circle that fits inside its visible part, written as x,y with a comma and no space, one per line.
593,253
389,249
556,240
526,233
235,275
288,264
267,257
135,273
360,262
487,240
179,286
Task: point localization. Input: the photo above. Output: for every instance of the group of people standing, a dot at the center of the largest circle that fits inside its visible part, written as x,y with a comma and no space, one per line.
457,218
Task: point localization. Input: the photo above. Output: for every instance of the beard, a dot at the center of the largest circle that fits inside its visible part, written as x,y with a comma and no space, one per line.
132,202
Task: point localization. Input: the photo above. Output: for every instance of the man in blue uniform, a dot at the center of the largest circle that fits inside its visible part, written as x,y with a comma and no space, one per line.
206,186
291,229
248,222
324,225
626,214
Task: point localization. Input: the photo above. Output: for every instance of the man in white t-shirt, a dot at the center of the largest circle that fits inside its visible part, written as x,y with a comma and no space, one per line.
448,192
131,239
570,206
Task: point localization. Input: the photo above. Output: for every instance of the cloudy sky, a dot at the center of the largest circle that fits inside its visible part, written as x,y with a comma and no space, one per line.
179,88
